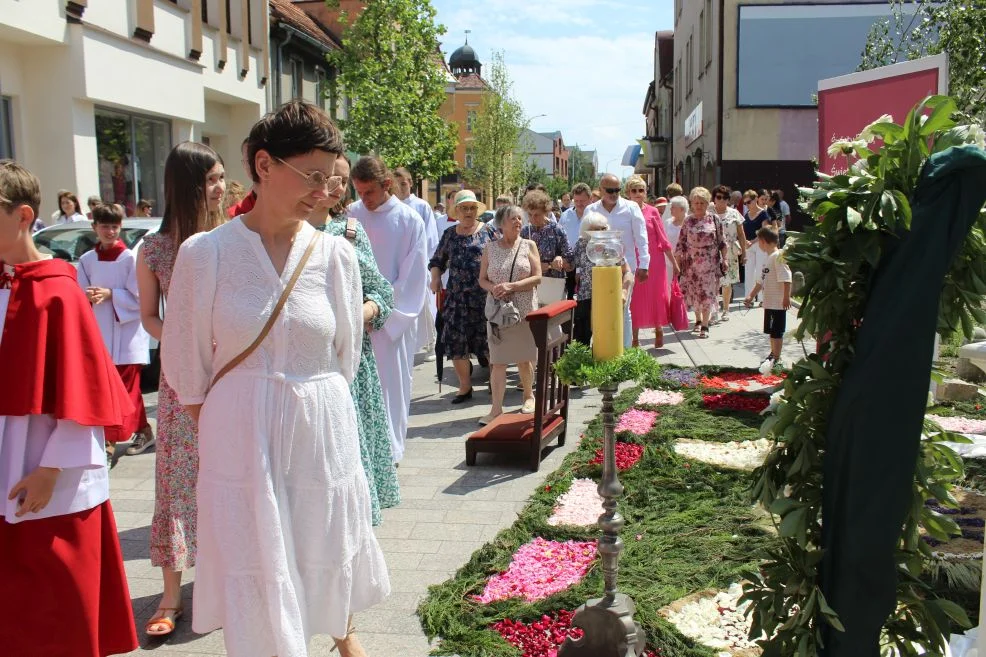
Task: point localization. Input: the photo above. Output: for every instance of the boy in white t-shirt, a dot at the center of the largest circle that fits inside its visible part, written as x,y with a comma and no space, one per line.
775,281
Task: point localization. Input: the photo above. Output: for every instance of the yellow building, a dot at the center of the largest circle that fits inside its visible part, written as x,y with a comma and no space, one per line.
465,91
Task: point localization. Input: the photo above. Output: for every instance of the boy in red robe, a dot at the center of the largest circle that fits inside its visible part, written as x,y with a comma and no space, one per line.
64,588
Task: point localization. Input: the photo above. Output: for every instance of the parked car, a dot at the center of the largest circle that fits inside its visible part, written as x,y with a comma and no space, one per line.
69,241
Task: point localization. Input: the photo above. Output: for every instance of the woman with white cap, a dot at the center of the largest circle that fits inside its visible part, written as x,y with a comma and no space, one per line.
459,252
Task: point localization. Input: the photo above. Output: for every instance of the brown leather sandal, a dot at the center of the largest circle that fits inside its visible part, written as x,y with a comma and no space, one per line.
349,631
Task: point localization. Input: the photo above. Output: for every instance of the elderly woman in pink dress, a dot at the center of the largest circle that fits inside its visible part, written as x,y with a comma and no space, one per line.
700,250
650,303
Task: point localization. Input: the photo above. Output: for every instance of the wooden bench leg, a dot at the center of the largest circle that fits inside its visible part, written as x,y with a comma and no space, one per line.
470,454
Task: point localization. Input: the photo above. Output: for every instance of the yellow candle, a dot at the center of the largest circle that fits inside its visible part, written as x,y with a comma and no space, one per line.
607,313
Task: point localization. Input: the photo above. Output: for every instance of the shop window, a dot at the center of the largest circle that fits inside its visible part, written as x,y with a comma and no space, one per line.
131,150
6,129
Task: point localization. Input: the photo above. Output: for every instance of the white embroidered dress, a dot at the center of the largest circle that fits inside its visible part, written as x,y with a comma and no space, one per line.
285,545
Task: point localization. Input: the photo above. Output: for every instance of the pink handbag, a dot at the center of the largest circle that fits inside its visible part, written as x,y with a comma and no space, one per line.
679,312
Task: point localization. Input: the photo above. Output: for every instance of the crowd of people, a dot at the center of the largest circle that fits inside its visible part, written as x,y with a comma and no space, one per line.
287,346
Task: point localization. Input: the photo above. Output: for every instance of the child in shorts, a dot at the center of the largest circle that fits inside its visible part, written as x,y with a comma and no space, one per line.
775,282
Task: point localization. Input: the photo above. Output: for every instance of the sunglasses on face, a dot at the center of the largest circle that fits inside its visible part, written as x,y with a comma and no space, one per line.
611,190
720,197
315,179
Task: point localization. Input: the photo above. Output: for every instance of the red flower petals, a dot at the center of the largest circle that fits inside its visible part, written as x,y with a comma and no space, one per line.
739,380
732,402
627,455
543,637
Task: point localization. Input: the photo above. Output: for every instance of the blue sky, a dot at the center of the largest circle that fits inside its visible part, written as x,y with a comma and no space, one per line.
585,64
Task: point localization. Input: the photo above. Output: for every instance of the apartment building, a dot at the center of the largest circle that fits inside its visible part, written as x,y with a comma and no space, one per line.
95,93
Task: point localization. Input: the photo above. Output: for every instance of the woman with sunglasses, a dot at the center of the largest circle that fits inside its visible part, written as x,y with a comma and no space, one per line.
286,546
378,303
755,218
732,229
650,306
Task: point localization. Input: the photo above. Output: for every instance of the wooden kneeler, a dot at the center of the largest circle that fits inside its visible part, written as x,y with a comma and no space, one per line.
525,433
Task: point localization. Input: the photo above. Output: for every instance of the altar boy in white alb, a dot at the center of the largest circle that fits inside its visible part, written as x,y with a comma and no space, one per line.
108,276
426,320
397,237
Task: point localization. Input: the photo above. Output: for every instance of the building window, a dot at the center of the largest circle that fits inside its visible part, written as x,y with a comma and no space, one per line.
131,151
297,79
702,38
205,12
677,86
469,157
471,120
6,129
709,29
689,70
321,87
229,17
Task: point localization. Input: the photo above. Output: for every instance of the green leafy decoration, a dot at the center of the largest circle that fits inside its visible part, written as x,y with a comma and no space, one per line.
577,367
858,216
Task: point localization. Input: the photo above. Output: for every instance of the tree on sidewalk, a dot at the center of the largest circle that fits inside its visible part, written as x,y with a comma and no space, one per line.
929,28
389,66
498,152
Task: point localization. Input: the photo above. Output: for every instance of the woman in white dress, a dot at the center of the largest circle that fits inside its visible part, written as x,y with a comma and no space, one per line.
677,209
732,232
286,549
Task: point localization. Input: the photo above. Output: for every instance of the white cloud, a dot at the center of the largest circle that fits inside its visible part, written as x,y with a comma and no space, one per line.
585,64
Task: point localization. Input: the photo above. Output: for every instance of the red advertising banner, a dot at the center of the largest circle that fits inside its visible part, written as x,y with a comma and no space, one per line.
849,103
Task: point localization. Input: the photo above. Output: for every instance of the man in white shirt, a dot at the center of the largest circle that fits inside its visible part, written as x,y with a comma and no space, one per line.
625,216
571,223
397,237
426,320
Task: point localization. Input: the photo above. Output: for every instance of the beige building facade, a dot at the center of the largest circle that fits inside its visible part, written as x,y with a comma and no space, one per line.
745,75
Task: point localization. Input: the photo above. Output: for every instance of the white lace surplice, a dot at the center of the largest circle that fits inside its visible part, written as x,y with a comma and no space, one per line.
286,548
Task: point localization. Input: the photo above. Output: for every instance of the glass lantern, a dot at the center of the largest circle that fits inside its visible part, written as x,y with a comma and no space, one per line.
605,248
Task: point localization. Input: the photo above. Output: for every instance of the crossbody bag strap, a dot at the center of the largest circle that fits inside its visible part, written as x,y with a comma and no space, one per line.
510,279
350,232
243,355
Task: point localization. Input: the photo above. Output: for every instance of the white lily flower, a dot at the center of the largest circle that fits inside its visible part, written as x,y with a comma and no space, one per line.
867,133
977,136
841,147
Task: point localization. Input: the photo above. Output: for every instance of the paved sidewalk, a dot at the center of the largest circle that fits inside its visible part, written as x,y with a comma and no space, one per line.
448,511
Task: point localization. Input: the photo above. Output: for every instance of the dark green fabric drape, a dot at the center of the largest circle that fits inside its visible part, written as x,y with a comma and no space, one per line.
875,426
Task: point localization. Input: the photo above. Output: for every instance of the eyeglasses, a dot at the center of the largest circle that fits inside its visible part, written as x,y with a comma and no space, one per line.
316,179
611,190
721,197
638,190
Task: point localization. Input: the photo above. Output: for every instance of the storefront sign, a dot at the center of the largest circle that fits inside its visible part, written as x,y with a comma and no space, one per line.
693,125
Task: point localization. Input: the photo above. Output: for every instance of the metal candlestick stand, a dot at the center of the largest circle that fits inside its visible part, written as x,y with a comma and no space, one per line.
610,630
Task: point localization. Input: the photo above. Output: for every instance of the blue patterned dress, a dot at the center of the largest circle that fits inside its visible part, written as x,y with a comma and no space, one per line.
371,416
464,312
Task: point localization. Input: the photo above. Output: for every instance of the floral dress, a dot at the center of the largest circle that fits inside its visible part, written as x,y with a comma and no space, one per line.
552,242
176,468
464,310
732,226
698,257
371,415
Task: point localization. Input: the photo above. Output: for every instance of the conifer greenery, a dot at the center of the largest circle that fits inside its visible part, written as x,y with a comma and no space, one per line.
390,67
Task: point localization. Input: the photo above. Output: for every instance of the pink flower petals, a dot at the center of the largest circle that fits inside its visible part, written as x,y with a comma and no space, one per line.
627,455
636,421
660,398
539,569
960,424
581,506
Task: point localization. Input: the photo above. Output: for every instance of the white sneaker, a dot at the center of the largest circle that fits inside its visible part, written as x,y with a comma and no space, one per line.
430,357
724,317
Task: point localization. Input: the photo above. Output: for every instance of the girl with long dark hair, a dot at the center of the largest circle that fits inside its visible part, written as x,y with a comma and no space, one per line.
194,186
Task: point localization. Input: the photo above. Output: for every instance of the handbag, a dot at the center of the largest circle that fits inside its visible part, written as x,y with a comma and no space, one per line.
243,355
502,313
679,311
